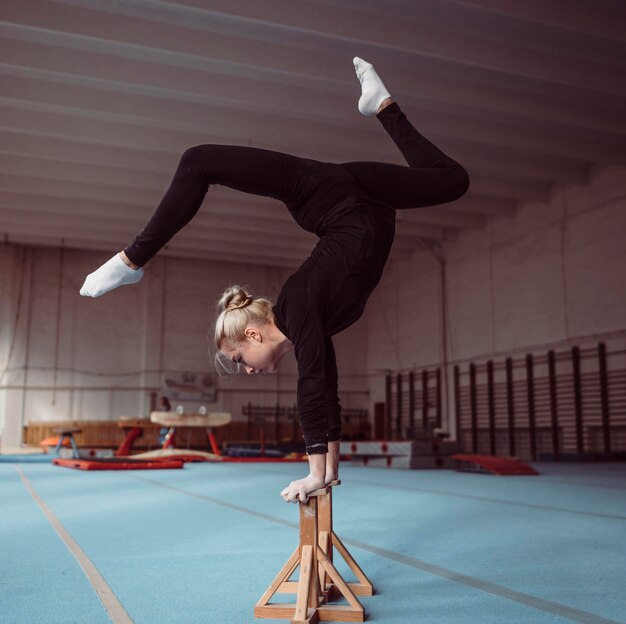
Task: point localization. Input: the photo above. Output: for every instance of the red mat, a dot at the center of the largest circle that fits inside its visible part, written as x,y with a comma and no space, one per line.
267,460
496,465
118,463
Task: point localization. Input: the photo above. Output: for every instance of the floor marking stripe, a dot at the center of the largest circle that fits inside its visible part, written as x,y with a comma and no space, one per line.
408,488
114,608
491,500
527,600
548,480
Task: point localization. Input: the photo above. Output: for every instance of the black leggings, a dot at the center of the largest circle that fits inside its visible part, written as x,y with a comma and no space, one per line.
431,178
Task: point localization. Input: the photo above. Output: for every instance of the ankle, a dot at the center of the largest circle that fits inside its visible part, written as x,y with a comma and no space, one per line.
384,105
127,261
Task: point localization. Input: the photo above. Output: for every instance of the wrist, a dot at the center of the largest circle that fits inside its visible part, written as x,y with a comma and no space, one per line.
317,466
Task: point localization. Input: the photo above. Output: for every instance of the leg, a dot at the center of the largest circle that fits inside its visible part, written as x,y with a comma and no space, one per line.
251,170
334,414
247,169
431,177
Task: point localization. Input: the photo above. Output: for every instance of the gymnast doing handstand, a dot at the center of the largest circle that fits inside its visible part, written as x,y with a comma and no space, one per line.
351,208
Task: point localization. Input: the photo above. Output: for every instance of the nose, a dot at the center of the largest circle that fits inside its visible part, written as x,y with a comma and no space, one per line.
249,370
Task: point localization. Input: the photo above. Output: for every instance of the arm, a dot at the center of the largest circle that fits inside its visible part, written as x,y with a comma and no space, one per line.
331,393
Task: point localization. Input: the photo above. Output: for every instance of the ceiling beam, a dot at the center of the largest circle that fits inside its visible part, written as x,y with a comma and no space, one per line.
483,205
306,27
102,244
601,21
368,145
233,243
441,215
208,62
239,122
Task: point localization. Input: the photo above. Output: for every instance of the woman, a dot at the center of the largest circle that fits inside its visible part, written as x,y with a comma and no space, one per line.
351,207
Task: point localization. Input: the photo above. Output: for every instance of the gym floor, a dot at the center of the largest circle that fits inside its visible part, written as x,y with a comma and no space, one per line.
201,544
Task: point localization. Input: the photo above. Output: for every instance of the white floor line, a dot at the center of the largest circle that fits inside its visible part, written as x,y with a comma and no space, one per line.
113,606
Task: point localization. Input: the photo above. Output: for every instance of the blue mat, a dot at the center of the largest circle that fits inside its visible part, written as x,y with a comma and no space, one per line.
201,545
26,459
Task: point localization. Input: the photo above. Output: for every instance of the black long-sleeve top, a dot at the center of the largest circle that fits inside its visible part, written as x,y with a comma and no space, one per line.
328,293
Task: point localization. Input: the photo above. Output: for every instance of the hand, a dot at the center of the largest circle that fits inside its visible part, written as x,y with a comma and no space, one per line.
297,491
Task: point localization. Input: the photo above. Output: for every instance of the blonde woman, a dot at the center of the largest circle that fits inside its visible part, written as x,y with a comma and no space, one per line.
351,208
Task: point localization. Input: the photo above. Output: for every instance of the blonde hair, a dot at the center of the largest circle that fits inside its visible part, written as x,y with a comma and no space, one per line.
236,309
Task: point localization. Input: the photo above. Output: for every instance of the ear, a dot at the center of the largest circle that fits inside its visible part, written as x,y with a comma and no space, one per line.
253,333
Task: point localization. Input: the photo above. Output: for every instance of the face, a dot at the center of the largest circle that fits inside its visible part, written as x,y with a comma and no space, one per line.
256,354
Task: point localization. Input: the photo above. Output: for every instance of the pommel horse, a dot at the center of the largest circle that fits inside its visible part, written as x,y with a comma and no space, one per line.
319,583
208,421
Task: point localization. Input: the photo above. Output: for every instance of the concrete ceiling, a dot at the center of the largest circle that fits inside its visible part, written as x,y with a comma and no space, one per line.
98,99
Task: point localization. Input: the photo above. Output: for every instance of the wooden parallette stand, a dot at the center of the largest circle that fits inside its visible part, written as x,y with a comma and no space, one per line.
319,581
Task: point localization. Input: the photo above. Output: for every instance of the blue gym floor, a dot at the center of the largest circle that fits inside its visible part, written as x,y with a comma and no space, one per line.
201,544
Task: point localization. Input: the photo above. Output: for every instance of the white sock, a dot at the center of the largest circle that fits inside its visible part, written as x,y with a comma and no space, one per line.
110,275
373,91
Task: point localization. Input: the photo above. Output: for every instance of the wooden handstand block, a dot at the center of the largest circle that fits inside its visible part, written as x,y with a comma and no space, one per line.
316,573
319,492
172,419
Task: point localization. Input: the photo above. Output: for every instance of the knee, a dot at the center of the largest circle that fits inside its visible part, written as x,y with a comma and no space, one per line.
192,156
462,182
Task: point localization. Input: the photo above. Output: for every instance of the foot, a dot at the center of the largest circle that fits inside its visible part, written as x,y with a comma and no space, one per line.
298,490
373,91
110,275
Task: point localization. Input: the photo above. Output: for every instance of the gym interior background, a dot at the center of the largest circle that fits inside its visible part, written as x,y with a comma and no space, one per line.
500,319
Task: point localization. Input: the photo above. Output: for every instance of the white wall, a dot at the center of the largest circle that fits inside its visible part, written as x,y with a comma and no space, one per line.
97,359
554,275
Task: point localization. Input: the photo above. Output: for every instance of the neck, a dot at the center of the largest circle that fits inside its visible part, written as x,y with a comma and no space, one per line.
283,344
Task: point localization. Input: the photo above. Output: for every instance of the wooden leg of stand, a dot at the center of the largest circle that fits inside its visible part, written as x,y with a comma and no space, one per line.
341,584
364,587
325,518
285,572
324,543
306,585
325,529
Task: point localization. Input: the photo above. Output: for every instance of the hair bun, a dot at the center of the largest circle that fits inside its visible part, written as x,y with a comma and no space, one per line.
234,298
